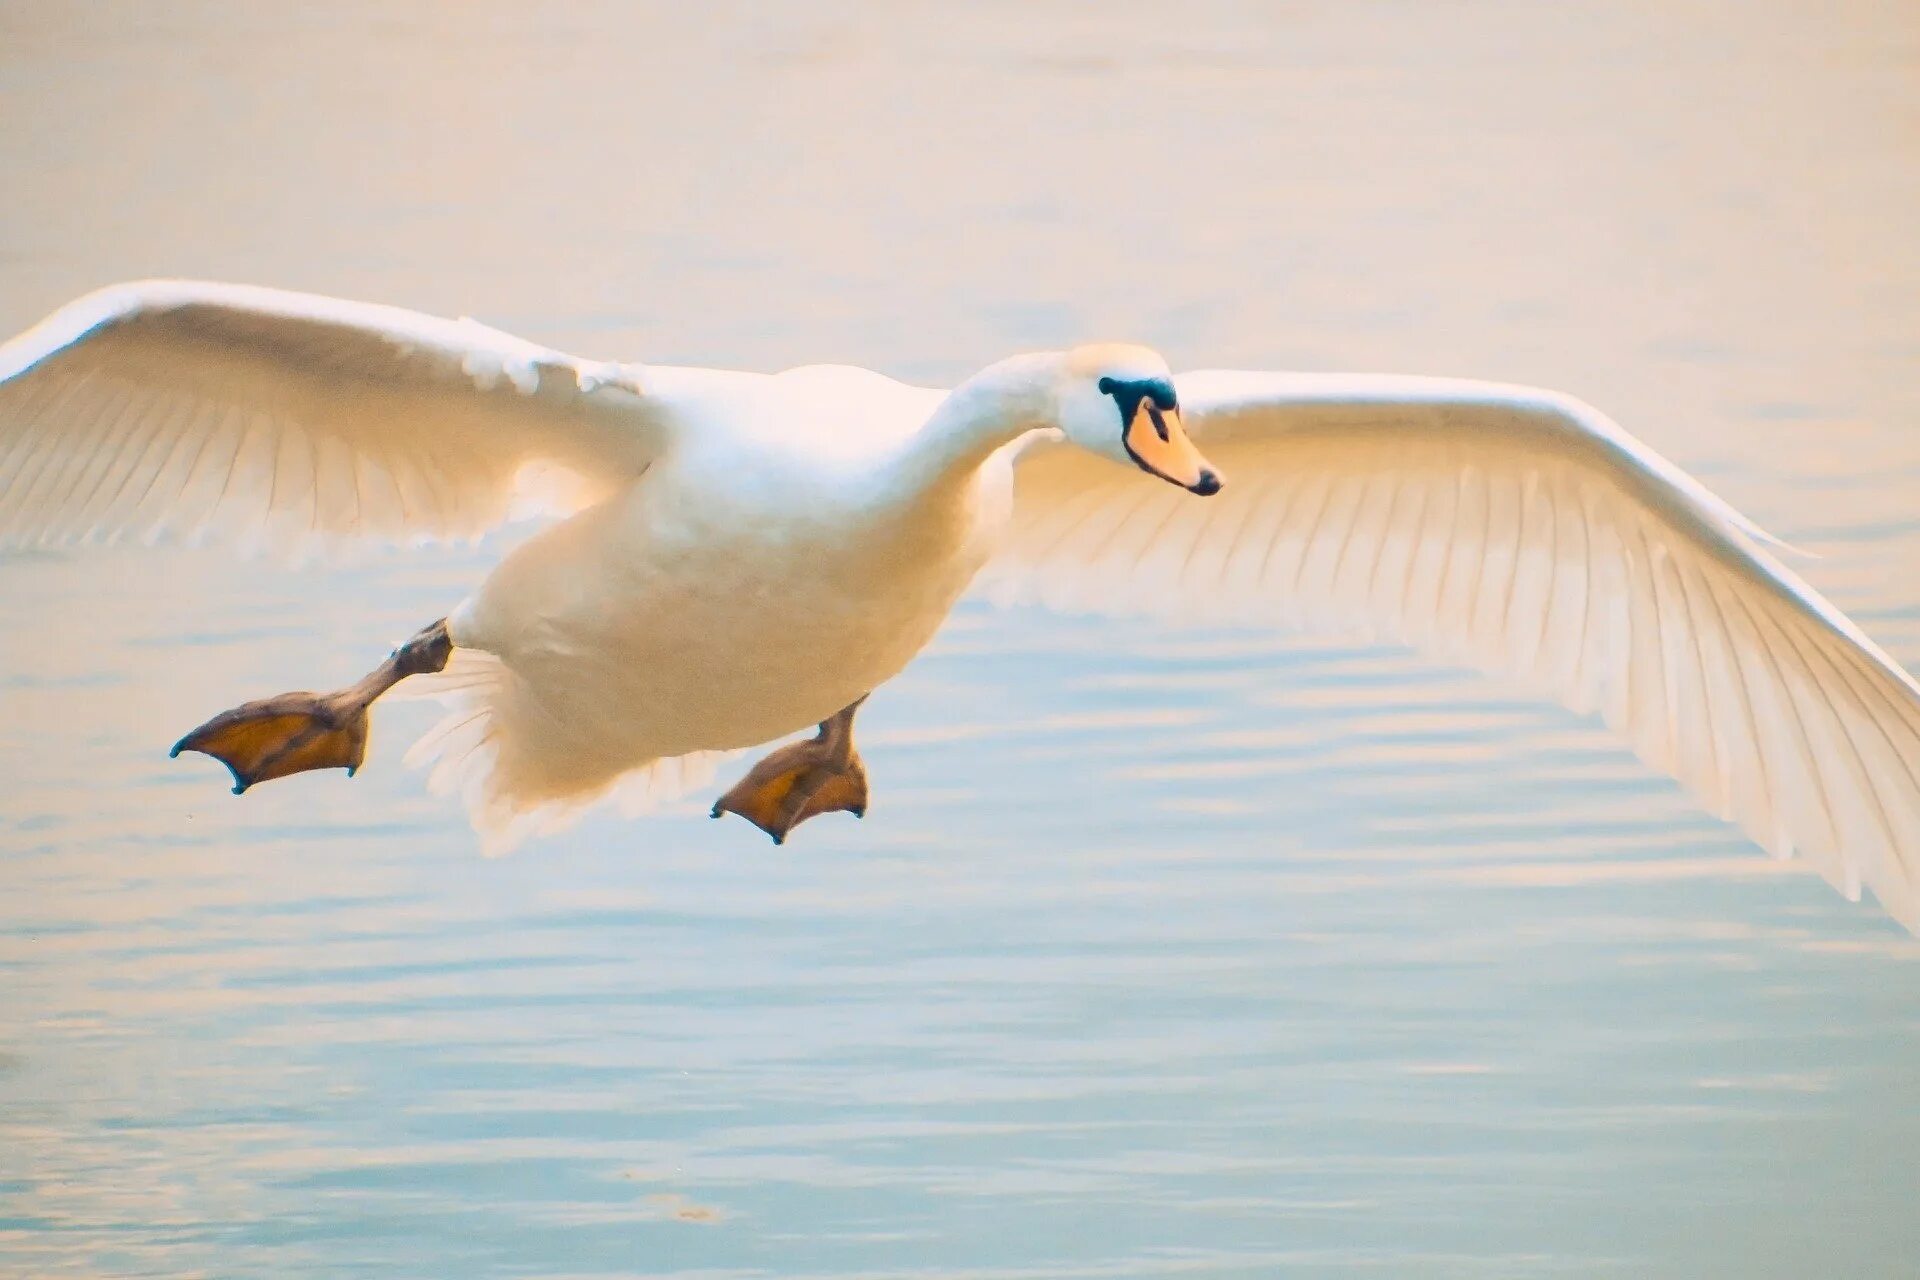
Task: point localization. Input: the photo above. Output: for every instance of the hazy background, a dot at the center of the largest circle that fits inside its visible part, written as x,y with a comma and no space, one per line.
1160,954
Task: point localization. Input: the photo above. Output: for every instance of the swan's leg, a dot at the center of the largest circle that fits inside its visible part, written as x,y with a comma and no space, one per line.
296,732
803,780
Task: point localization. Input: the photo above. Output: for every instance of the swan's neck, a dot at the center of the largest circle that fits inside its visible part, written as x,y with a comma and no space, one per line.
991,409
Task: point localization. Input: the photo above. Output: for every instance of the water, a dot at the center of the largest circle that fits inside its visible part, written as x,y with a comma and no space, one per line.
1161,953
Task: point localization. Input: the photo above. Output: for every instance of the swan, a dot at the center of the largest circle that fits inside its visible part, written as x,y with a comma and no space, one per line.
742,556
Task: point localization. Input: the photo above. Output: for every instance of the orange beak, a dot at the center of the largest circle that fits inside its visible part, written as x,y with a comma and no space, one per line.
1158,442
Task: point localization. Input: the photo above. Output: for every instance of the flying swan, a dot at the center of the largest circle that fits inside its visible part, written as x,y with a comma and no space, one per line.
746,555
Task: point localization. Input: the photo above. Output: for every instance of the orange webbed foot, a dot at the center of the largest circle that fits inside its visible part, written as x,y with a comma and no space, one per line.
277,737
299,732
799,781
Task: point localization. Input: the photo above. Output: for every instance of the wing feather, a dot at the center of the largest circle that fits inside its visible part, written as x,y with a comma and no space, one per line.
176,409
1526,534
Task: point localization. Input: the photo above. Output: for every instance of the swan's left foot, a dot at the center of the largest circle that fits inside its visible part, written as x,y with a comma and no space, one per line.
297,732
802,780
278,737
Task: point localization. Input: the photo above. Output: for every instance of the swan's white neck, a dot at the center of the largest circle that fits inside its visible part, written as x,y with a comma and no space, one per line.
991,409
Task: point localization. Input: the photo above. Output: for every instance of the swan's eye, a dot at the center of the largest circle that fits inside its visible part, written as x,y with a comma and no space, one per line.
1129,394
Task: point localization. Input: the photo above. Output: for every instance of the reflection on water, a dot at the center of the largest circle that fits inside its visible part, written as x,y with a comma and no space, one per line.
1160,953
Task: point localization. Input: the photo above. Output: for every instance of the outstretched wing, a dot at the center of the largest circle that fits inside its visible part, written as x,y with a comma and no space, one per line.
1523,533
177,408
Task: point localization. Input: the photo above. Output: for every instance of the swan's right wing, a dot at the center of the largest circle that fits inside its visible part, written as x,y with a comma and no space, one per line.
1526,534
176,408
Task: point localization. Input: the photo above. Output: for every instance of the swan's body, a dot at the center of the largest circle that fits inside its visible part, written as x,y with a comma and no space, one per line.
741,556
713,605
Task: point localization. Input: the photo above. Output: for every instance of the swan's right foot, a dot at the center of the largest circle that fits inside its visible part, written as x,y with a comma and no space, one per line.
802,780
299,732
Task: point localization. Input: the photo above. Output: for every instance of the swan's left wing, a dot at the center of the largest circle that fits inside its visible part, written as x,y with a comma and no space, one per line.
1523,533
180,407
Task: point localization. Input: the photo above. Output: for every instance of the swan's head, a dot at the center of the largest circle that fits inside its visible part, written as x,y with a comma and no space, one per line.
1118,401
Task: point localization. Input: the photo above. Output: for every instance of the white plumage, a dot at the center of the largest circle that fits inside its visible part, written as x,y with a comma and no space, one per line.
174,408
745,555
1523,533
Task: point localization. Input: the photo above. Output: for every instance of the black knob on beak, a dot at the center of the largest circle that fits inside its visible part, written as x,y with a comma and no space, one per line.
1207,485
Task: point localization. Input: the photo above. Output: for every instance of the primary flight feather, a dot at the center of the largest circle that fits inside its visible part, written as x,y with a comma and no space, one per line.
741,556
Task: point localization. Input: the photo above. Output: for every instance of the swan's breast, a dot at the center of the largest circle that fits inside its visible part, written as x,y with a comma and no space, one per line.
716,606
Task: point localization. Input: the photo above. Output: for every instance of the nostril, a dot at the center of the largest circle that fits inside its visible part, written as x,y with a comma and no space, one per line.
1207,485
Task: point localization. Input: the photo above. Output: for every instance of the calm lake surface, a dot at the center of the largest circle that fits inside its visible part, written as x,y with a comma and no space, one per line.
1161,953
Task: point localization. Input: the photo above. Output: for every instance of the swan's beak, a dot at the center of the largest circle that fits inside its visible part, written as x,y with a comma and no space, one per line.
1157,440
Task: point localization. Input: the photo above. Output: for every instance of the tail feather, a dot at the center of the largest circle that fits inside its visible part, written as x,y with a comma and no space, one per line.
489,748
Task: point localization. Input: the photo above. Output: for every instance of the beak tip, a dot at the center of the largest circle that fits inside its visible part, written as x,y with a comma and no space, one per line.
1208,484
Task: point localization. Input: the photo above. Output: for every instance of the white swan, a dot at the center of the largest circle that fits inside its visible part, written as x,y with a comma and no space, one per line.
747,555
